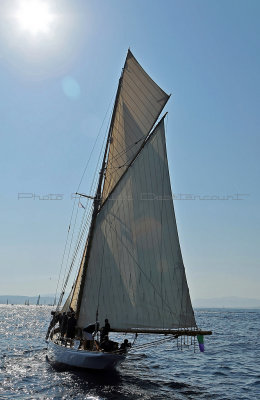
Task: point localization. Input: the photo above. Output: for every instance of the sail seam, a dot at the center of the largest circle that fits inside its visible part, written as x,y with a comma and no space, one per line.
140,268
143,102
144,72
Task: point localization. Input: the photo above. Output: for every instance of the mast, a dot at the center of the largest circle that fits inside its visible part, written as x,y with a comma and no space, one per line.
97,199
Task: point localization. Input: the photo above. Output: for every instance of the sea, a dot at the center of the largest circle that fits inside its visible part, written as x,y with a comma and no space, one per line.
228,369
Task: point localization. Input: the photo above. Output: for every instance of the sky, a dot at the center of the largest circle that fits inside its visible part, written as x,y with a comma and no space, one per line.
58,79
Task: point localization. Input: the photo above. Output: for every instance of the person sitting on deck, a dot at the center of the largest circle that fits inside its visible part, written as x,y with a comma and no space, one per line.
124,346
108,345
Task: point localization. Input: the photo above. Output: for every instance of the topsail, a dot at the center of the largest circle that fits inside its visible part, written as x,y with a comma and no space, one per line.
140,102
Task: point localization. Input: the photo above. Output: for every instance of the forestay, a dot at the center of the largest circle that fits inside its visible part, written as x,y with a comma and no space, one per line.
135,275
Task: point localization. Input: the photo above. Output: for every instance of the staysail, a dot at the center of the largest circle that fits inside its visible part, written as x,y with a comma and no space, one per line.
140,102
135,274
72,300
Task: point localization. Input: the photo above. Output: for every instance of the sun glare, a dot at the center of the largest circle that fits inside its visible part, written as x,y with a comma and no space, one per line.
34,16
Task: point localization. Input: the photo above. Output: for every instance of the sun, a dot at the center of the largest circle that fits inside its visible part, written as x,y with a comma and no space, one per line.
34,16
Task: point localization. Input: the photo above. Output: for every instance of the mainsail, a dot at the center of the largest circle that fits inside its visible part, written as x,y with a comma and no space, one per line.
132,270
135,275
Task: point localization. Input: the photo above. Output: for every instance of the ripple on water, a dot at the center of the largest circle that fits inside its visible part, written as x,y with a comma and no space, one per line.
227,370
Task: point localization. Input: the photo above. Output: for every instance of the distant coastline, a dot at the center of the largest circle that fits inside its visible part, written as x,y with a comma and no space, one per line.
221,302
226,302
12,299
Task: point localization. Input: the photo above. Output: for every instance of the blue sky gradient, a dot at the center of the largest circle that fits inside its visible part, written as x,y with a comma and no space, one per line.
56,90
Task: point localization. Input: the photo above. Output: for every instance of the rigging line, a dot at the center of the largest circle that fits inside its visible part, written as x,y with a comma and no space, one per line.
101,275
67,264
140,268
167,339
114,169
75,256
118,130
94,179
118,154
64,251
102,179
140,346
87,218
95,143
97,203
75,253
85,222
65,282
121,123
96,176
80,233
146,140
122,153
80,240
116,141
125,120
65,248
83,226
154,118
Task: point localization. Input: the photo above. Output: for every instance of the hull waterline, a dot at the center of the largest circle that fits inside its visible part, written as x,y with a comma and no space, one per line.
82,358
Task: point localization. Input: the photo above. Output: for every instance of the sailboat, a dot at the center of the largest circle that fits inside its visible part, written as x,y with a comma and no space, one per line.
38,300
132,271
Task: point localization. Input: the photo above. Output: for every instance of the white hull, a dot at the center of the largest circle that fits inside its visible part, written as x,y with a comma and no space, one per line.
83,358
